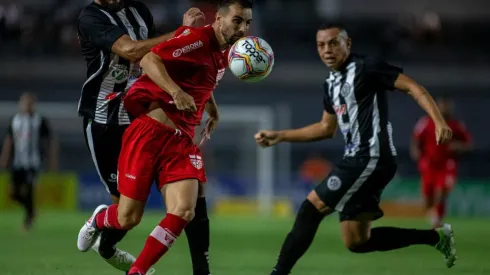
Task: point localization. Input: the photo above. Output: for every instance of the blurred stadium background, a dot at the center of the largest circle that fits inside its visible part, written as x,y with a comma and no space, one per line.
441,43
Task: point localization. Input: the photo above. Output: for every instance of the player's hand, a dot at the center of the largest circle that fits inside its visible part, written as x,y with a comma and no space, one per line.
211,124
443,133
184,102
194,17
267,138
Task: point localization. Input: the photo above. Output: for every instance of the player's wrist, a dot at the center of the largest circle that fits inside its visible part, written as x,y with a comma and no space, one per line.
174,92
282,136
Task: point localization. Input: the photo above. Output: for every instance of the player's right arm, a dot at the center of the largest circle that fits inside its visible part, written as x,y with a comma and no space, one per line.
97,28
324,129
175,51
7,147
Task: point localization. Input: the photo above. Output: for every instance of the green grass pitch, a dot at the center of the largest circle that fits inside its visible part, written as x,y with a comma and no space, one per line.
240,246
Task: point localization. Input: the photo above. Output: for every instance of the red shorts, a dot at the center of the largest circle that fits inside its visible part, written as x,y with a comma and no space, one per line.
436,180
152,152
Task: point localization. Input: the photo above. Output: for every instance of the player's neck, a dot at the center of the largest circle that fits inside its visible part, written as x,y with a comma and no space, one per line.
342,63
221,39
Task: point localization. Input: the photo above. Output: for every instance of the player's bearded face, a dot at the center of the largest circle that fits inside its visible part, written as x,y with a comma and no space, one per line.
333,47
235,23
113,5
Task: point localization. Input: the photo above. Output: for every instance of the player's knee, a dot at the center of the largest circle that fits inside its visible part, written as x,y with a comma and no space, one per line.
128,219
318,203
354,240
185,212
356,243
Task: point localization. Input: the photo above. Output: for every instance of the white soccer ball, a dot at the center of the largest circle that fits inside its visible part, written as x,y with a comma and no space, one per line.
251,59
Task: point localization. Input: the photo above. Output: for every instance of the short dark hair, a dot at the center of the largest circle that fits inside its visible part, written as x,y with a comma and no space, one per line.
327,26
225,4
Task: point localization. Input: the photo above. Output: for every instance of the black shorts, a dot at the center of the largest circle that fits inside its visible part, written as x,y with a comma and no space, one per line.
104,143
21,176
355,186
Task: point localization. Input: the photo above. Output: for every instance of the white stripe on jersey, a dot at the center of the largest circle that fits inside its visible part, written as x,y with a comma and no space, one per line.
352,109
374,146
390,137
98,72
26,135
106,88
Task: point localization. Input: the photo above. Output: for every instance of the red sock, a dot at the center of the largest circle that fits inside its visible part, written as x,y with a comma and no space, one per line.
108,218
158,243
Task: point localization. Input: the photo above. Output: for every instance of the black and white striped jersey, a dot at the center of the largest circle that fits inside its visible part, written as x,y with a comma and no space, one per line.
357,95
109,76
28,132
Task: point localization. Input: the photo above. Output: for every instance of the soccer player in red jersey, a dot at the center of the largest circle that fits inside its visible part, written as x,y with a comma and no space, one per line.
167,103
438,163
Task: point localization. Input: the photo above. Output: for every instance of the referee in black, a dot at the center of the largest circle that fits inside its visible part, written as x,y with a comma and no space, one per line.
28,139
114,35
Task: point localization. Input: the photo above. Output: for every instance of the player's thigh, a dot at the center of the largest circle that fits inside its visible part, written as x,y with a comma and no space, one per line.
354,187
444,184
181,197
427,186
104,143
179,160
17,177
138,160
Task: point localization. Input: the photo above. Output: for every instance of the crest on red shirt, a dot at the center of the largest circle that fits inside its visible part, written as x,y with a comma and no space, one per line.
196,161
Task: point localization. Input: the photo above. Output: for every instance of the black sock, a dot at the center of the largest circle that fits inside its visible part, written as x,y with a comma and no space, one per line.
391,238
108,240
197,232
299,239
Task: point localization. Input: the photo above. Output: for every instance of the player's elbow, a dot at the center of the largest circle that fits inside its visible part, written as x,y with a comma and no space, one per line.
148,61
327,131
131,52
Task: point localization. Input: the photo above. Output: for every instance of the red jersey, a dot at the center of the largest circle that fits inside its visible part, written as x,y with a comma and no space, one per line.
195,62
431,153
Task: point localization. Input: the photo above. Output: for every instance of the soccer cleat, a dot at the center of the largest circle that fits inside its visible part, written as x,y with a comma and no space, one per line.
121,260
446,244
149,272
89,233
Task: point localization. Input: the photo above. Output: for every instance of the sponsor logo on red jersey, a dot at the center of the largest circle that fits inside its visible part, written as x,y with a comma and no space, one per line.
187,49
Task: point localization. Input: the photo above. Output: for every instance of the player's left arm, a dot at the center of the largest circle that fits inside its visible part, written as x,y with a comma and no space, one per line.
212,108
427,103
420,95
51,144
391,78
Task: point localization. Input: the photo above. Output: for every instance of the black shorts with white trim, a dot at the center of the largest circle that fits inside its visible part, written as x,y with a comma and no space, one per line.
104,142
355,186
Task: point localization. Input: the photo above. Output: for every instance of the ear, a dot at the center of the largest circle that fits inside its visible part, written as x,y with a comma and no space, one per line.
349,43
218,16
